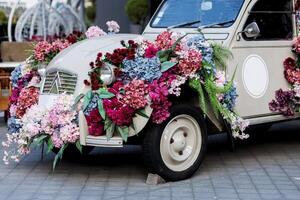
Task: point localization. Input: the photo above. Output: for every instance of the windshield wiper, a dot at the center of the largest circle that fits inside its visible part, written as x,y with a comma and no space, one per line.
221,24
184,24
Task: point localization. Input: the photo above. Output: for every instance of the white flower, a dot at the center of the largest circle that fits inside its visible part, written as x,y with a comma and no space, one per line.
94,31
113,26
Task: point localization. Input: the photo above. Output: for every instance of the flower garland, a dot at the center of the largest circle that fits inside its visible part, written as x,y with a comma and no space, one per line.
288,102
57,126
28,123
149,73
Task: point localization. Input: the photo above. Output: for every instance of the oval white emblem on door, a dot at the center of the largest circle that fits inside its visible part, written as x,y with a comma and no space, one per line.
255,76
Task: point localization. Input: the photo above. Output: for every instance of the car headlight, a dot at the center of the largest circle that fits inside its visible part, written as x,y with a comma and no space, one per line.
107,74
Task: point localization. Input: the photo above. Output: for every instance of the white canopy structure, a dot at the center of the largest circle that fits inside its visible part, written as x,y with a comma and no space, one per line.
46,20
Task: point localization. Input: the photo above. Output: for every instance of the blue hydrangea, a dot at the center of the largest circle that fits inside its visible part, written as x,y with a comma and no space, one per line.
92,105
147,69
13,125
229,99
15,76
198,42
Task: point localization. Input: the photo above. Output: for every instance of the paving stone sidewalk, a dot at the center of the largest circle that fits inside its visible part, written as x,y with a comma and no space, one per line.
268,168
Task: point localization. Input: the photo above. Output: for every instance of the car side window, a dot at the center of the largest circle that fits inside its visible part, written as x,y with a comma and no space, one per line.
274,19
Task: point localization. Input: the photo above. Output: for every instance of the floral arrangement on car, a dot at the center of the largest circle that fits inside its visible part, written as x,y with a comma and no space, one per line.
149,74
287,102
29,124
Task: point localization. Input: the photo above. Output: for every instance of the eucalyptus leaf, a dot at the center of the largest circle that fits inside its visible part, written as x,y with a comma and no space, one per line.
50,145
101,109
177,42
142,113
167,65
87,99
110,131
40,140
104,94
79,146
124,132
107,123
59,155
77,100
164,55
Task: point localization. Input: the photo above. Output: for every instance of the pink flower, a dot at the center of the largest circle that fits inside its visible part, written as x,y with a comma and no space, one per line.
41,50
220,79
190,63
113,26
27,98
94,31
59,45
166,40
151,51
135,93
160,103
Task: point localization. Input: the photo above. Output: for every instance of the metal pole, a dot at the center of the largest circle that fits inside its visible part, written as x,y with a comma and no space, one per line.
10,20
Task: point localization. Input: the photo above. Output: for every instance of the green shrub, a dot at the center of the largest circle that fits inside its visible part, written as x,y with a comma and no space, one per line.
137,10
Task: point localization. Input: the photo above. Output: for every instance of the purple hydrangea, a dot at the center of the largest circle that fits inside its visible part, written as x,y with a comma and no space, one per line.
284,102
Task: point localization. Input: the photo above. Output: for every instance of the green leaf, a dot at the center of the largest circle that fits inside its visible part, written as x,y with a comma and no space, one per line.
104,94
164,55
77,100
167,65
221,55
50,145
142,113
110,131
87,99
177,42
40,140
79,146
124,132
122,91
107,123
101,109
59,155
196,85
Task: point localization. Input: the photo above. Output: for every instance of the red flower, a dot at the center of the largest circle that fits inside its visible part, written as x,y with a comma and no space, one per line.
151,51
95,123
119,113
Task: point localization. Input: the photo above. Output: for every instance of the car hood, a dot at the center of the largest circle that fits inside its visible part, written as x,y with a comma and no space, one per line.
76,58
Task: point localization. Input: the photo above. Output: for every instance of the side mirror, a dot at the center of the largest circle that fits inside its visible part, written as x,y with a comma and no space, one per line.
251,31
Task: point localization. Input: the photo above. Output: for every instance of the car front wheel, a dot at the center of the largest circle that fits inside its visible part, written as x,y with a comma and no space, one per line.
175,149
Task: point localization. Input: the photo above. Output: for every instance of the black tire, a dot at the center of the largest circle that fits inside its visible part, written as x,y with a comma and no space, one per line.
151,147
71,152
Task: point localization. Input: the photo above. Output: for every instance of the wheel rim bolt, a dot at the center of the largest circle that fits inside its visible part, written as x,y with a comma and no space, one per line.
185,134
180,153
172,141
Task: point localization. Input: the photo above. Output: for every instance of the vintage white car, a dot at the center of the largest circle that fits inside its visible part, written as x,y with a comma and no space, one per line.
258,32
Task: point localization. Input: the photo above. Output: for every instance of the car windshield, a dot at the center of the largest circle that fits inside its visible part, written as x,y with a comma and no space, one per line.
173,12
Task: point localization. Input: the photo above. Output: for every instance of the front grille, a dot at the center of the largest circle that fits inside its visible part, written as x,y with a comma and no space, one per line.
58,82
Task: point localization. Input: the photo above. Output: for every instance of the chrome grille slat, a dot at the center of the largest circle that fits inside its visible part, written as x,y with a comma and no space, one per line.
64,81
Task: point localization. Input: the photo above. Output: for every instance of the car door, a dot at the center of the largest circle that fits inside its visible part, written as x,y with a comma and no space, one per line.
260,59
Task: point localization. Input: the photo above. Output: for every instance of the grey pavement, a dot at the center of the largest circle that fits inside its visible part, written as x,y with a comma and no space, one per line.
266,167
